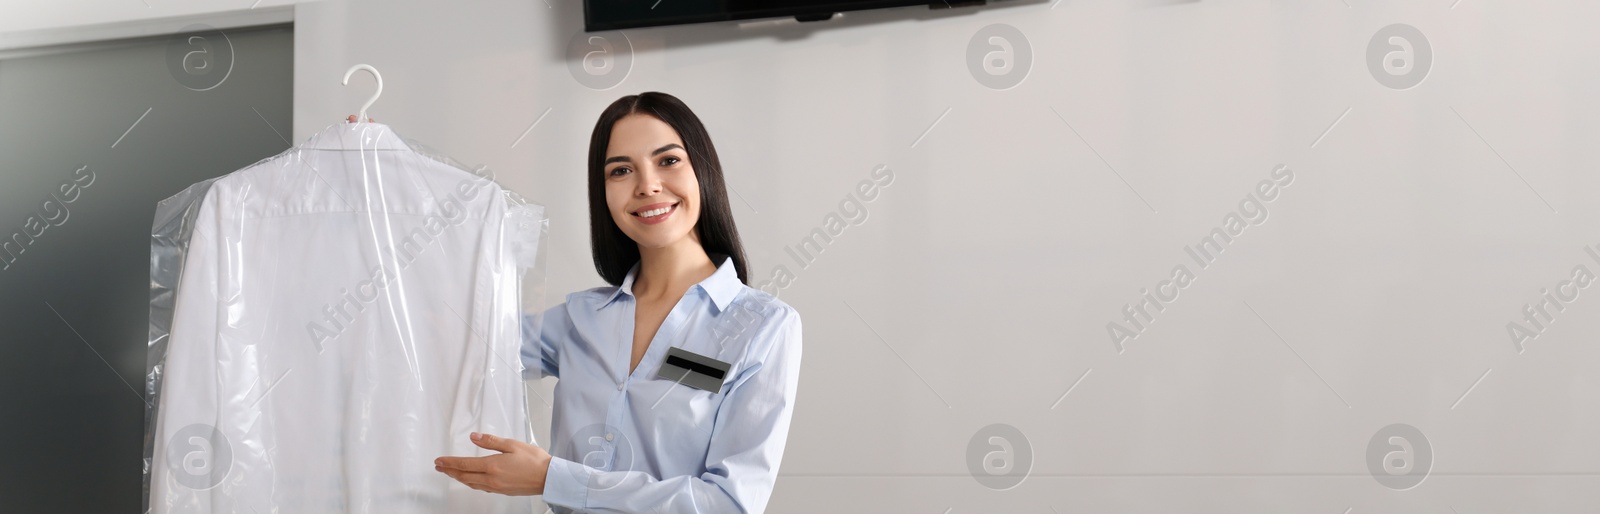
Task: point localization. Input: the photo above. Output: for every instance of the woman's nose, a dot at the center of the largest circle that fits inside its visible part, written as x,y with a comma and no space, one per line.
649,183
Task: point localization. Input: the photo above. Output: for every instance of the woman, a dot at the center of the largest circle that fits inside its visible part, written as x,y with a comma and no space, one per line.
694,418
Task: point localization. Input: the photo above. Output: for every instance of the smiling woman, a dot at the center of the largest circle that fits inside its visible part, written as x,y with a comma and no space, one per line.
660,405
655,133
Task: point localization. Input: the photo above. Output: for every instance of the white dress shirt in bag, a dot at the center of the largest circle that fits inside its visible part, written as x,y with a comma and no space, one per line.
345,312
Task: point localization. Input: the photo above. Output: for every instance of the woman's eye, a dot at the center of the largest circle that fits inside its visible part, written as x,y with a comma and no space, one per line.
669,161
617,171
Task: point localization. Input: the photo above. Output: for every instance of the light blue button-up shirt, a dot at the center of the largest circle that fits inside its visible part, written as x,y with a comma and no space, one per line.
625,442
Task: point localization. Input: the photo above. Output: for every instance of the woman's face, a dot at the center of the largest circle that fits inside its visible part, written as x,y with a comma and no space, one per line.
647,171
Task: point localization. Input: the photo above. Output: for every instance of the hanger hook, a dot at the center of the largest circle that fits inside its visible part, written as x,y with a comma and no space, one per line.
374,71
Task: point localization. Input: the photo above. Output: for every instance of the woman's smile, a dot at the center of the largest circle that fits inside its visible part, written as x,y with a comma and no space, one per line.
656,213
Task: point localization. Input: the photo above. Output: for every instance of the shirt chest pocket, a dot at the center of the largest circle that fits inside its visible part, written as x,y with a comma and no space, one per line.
681,402
684,416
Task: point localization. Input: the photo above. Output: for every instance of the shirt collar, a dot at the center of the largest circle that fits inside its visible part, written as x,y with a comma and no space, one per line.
721,286
356,137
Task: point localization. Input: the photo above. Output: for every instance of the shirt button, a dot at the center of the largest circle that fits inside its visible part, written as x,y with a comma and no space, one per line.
619,387
608,436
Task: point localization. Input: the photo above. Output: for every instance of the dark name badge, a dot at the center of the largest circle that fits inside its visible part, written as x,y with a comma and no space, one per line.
694,370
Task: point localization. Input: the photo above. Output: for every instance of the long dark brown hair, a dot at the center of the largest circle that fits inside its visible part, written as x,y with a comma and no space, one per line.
614,252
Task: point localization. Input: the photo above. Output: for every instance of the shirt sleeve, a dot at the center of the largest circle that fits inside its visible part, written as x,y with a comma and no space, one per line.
194,371
543,335
747,442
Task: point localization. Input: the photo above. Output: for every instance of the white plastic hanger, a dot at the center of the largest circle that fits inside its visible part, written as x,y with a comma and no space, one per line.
362,117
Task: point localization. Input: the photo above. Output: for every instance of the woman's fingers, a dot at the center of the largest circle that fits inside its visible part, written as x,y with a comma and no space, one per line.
479,481
485,482
518,470
492,442
470,464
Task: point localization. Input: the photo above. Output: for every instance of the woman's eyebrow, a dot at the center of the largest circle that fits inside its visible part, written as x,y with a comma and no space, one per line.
624,158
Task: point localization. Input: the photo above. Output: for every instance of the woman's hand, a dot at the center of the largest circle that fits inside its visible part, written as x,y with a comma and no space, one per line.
517,471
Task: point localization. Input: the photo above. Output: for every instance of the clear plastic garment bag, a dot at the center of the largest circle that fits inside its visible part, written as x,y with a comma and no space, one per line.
326,322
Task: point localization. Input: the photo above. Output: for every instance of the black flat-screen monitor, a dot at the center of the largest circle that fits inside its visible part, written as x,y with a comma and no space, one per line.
626,14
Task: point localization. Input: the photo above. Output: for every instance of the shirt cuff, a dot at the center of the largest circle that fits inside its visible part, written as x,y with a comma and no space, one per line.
566,483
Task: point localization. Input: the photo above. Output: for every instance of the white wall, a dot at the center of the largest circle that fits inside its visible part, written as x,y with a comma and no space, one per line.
1377,292
1418,224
